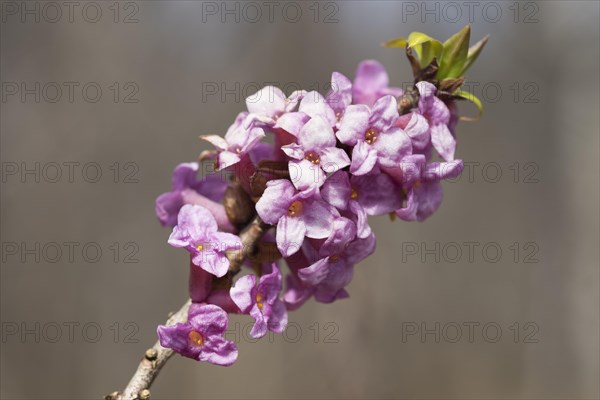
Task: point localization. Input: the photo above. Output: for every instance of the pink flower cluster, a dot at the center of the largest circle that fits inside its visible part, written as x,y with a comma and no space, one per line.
347,155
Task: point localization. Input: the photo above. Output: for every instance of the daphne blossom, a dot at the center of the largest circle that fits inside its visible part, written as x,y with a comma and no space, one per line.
261,302
374,135
296,216
202,336
333,161
197,232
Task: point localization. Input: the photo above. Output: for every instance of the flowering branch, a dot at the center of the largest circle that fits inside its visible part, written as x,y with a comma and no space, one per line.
157,356
365,148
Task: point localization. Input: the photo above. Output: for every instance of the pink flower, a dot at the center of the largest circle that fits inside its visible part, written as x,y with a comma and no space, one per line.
371,83
314,155
374,134
201,337
295,216
261,302
438,116
241,137
197,232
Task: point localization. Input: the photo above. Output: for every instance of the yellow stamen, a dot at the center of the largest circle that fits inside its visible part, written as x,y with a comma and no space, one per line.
196,338
354,194
371,136
334,258
259,302
312,157
295,209
199,247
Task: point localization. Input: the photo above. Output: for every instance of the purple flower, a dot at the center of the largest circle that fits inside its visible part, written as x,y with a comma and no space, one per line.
417,128
327,278
295,216
340,95
201,337
373,134
270,103
187,189
421,183
240,138
315,105
197,232
270,106
261,302
438,116
371,83
332,107
372,194
314,155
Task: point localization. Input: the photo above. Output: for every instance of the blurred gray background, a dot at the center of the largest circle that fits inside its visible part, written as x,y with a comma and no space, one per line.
73,328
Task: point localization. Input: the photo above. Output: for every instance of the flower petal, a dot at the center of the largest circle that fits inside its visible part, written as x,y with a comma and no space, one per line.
437,171
268,101
185,175
296,293
363,229
333,159
293,100
241,293
175,337
360,249
292,122
270,284
316,134
315,105
429,197
216,141
340,95
337,190
392,147
384,114
219,351
315,273
344,231
371,77
306,176
194,223
377,193
290,235
212,261
279,318
318,217
354,124
207,319
260,323
293,150
275,200
227,159
409,212
364,158
417,130
167,206
443,141
226,241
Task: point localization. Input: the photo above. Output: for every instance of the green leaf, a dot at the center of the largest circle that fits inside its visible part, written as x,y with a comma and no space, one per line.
426,47
472,98
474,53
397,42
454,54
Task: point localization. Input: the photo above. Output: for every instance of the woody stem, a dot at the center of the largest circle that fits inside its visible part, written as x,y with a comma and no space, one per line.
157,356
